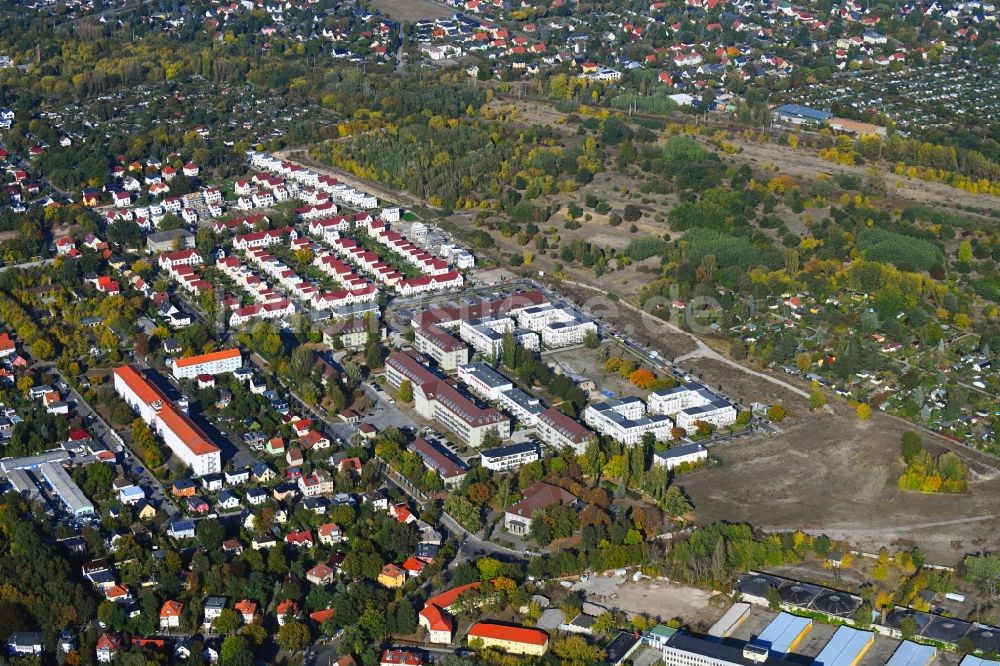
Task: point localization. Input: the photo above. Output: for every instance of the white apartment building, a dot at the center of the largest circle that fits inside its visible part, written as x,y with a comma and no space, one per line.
625,420
485,335
433,398
514,456
718,413
484,381
447,351
558,325
213,363
690,403
679,455
525,407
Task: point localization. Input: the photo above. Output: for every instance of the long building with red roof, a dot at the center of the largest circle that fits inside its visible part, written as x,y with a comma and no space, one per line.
178,431
510,638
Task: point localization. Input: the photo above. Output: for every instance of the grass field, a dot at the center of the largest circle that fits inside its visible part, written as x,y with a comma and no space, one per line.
413,10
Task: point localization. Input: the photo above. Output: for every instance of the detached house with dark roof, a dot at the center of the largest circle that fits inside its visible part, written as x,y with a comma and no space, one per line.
517,519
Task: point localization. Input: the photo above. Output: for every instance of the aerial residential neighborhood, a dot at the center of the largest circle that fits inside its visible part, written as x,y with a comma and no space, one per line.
478,333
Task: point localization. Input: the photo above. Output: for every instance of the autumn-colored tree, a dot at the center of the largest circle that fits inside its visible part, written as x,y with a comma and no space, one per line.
863,412
479,493
642,378
678,432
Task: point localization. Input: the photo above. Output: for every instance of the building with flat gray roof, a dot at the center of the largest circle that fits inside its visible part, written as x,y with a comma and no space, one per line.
524,406
34,462
165,241
24,483
59,479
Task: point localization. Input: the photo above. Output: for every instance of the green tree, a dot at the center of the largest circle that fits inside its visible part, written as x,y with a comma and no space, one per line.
576,651
294,636
405,393
863,617
210,534
773,597
911,446
235,650
984,571
816,397
228,621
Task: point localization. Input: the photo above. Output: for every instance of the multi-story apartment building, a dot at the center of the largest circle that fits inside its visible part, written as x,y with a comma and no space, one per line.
625,420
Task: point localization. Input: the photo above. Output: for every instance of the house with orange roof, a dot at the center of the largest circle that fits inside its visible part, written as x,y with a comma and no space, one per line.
435,616
510,638
321,574
107,647
247,610
351,465
439,625
401,512
118,594
287,610
414,565
392,576
330,534
170,614
400,658
7,346
321,616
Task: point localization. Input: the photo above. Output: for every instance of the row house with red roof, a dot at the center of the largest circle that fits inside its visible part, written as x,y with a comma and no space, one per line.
265,311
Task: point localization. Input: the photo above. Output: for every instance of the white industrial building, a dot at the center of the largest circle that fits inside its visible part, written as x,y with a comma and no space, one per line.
179,433
625,420
69,493
212,363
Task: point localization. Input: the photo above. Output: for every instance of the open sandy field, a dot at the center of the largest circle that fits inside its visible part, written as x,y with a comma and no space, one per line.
834,475
653,597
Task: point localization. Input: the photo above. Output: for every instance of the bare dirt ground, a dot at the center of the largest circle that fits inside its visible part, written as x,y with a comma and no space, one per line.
413,10
829,474
588,362
742,386
656,598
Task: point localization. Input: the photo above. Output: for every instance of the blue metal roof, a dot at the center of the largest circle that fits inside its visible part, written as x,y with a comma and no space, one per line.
804,112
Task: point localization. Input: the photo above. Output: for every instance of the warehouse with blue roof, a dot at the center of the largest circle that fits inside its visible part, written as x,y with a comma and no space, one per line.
797,114
846,648
783,633
912,654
